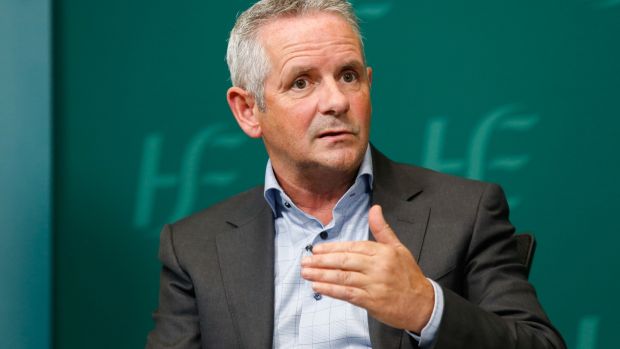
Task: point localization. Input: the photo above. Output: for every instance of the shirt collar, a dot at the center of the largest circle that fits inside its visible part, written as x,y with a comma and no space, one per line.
273,190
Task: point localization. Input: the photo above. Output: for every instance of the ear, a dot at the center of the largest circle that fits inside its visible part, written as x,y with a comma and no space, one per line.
242,104
369,74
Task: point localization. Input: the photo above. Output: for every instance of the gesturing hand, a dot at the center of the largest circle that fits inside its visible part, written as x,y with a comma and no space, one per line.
382,276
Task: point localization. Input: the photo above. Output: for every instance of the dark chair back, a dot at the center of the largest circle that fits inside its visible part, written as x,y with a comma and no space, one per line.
526,246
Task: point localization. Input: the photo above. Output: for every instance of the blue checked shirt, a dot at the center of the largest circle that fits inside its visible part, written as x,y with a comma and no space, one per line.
304,319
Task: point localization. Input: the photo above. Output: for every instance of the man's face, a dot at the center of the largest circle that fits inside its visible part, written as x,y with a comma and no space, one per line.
317,94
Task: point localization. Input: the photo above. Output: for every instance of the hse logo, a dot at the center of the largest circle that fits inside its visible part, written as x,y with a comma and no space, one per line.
479,156
195,171
371,9
188,179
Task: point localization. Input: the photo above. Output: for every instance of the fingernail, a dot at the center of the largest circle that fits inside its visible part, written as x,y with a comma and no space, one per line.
305,260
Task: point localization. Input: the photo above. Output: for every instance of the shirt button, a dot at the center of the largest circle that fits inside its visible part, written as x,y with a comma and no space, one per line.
317,296
324,235
286,204
309,248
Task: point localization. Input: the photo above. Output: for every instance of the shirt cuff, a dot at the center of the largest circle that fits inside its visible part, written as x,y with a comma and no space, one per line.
429,332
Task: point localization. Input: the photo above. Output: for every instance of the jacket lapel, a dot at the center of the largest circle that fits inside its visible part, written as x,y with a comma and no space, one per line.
395,192
246,255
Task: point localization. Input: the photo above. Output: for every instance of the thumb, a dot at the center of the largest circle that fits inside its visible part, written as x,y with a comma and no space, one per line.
379,228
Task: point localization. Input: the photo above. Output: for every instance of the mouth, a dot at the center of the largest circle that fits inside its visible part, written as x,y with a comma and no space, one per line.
334,133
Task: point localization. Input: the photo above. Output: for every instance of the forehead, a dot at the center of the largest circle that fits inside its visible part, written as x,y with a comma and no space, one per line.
307,36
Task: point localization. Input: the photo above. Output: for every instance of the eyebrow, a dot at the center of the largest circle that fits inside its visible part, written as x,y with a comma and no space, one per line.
353,64
302,70
299,70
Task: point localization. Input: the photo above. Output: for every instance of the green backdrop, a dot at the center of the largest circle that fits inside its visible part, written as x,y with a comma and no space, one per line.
520,92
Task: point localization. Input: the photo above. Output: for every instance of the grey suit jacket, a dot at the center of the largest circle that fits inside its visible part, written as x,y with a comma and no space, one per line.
216,288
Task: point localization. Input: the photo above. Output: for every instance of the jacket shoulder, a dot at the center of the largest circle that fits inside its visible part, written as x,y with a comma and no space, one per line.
440,184
224,215
396,177
433,178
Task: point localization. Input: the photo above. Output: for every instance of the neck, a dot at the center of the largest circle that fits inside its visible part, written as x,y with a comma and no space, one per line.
316,193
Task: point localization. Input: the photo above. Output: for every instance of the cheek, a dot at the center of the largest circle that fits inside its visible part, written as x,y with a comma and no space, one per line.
300,116
362,106
289,124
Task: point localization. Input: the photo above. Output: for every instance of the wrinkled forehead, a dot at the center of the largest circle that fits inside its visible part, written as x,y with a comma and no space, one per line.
283,33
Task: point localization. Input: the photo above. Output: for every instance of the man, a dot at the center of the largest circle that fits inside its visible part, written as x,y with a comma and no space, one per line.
289,264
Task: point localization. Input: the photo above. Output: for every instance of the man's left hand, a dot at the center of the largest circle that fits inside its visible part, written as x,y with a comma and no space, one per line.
382,276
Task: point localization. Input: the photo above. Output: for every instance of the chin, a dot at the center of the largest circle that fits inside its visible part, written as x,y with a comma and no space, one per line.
344,159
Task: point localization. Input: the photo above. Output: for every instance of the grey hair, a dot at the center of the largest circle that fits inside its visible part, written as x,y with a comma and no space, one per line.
247,60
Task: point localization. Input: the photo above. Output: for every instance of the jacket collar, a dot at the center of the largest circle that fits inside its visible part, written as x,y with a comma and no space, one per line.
246,256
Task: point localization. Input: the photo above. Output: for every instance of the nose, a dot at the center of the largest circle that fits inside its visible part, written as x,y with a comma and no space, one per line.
332,100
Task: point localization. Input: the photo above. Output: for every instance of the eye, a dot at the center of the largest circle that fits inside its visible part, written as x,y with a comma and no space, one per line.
349,76
300,84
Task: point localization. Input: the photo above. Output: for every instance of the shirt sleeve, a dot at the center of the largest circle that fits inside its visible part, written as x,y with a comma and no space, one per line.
429,332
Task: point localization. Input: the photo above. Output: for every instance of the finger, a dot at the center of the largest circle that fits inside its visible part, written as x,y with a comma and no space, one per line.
335,277
353,295
379,228
368,248
338,260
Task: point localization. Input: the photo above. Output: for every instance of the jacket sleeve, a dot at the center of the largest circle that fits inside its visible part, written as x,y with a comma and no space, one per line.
176,319
498,307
